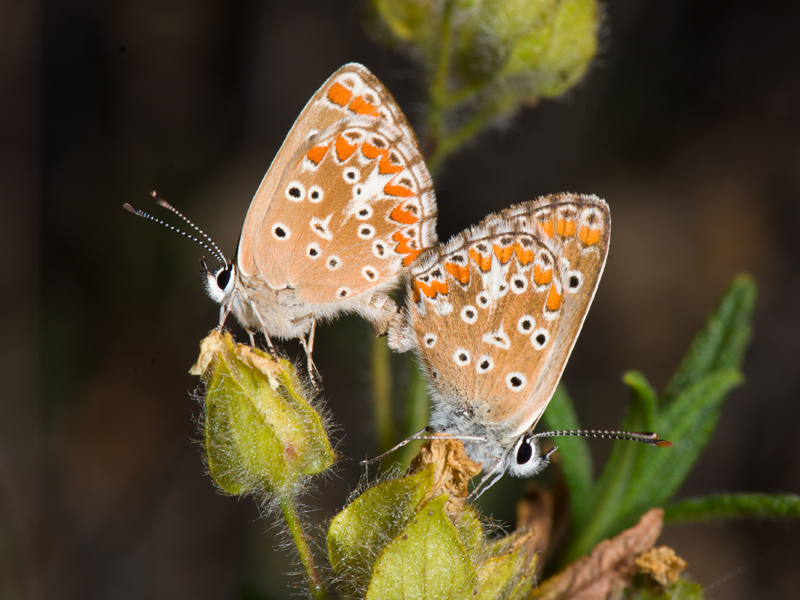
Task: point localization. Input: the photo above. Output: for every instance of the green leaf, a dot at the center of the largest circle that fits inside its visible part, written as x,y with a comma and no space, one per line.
427,560
615,481
607,495
576,460
361,531
722,341
507,569
688,423
643,398
733,506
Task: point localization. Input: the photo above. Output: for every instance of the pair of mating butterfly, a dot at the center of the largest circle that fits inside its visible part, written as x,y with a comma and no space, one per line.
347,210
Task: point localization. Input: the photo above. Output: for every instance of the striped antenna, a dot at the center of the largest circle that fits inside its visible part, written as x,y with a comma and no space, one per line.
210,246
646,438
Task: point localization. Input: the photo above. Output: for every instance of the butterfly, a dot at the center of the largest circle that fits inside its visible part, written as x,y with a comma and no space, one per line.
493,315
346,206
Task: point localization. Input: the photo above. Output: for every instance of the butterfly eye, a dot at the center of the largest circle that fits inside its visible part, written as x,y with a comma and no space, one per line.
224,277
524,451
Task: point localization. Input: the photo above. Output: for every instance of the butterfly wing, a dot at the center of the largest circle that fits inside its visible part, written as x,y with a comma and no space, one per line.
496,312
347,203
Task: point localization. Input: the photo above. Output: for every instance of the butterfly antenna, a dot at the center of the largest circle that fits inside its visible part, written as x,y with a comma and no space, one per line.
164,204
213,248
650,439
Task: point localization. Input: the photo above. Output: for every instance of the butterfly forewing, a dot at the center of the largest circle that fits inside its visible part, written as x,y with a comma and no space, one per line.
354,208
497,311
286,220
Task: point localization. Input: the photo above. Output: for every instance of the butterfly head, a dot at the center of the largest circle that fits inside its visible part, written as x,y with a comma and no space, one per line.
220,282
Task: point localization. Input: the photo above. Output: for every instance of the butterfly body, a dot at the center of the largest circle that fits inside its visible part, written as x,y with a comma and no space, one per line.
493,315
345,208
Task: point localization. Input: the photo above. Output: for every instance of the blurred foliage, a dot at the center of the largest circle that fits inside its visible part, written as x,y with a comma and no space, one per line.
486,59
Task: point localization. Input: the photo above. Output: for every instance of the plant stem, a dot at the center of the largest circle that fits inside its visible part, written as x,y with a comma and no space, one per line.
417,412
382,394
295,527
449,144
438,88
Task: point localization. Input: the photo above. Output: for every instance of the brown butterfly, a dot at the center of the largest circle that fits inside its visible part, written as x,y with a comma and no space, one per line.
494,314
345,208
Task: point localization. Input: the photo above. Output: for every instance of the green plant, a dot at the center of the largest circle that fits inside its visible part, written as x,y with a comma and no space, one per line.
413,535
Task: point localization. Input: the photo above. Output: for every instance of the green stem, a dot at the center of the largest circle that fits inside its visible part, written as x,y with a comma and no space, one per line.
295,527
438,88
449,144
466,93
417,412
382,394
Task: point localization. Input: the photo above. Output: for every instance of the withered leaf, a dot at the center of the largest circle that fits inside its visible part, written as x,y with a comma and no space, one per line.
453,470
608,569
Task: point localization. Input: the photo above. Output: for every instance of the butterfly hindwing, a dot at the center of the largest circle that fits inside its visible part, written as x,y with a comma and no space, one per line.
496,311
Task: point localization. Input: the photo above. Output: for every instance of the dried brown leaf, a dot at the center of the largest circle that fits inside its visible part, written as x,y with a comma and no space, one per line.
452,471
608,569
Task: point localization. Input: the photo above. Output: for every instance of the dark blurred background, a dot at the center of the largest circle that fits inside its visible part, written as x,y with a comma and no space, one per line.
688,124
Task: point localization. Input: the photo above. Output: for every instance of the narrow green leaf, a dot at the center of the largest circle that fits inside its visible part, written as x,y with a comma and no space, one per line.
643,397
733,506
615,480
605,498
722,341
688,423
576,460
427,560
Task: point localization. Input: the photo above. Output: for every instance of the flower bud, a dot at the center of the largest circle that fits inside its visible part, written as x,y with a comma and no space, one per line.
261,433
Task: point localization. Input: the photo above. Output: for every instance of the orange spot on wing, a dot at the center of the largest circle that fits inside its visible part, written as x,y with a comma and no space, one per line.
589,236
547,226
317,153
393,189
553,299
503,253
565,227
339,94
459,272
387,167
369,151
433,288
523,256
360,106
403,247
411,257
344,149
400,215
415,292
484,262
542,276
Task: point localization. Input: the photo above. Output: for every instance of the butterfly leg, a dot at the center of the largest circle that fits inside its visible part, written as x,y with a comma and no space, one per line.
308,346
270,347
